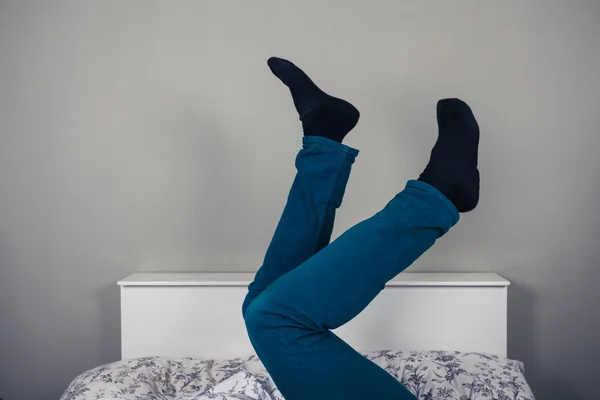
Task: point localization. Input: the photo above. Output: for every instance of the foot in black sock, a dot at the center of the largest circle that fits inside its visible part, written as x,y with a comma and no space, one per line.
452,168
320,113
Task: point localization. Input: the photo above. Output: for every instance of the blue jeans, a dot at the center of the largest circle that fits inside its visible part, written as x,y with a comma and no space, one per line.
306,286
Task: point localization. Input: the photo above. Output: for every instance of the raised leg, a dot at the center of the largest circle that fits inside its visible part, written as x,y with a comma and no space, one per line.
289,323
323,168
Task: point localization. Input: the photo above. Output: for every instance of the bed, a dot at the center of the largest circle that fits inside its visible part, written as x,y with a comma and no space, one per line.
444,335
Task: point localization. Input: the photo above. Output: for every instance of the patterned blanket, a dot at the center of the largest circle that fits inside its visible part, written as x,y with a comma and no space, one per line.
433,375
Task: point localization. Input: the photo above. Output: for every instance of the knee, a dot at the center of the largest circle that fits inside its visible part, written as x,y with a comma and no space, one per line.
257,316
256,311
268,314
247,301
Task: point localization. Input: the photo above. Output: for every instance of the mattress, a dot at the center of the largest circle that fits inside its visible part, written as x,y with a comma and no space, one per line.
429,375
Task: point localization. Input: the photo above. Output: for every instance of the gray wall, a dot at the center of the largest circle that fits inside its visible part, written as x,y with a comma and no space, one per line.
151,135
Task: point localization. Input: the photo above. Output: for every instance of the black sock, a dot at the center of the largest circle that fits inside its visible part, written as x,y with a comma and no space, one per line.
320,113
452,168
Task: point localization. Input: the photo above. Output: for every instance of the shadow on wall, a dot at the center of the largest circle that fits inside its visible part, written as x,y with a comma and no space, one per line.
110,322
107,331
522,345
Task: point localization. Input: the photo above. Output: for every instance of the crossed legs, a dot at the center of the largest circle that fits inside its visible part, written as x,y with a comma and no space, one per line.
307,286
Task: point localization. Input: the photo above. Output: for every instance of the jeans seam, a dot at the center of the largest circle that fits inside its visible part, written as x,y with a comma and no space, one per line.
287,340
325,205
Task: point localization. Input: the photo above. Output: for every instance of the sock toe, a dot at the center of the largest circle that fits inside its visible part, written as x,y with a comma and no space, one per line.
454,111
292,76
277,64
452,168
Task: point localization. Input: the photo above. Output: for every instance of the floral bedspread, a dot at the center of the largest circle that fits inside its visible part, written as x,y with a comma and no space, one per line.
433,375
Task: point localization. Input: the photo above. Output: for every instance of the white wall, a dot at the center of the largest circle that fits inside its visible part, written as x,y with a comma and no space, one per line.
151,135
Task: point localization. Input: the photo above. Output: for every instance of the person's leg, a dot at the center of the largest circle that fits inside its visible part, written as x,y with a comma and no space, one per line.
323,168
289,324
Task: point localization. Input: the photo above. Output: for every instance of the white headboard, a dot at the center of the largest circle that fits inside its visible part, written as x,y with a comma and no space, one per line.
199,315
